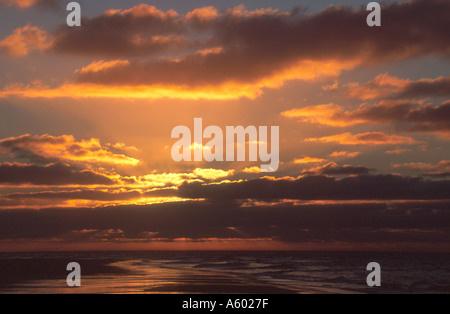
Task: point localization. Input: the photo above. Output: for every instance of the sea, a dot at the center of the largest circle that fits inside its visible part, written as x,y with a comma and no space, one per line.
225,272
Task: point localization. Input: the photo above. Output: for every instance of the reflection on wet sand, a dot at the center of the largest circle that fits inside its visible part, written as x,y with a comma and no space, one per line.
134,276
223,272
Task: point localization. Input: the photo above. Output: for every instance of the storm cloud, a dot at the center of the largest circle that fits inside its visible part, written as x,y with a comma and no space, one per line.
363,187
53,174
302,223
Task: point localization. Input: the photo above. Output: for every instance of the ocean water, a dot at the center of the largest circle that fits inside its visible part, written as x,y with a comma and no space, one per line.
225,272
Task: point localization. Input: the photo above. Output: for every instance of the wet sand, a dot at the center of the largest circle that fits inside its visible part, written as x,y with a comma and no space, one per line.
49,276
216,284
15,272
221,273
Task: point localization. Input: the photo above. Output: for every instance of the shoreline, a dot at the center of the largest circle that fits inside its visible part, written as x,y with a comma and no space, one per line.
16,272
220,273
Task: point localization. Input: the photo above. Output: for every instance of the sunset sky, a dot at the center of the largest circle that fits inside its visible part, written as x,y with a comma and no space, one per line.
87,112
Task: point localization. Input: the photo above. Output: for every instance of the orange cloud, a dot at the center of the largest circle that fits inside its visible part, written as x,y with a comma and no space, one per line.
76,91
215,50
411,116
252,170
309,160
25,40
23,4
329,114
195,69
64,148
144,10
386,86
204,14
176,179
212,174
345,154
369,138
124,147
382,86
337,116
102,65
86,88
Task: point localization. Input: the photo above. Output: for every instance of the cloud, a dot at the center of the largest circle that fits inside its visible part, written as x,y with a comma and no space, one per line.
93,189
102,65
405,115
369,138
93,195
140,31
87,197
255,170
439,175
443,165
329,114
212,174
363,187
345,154
243,35
397,151
309,160
203,15
382,86
24,4
24,40
334,169
53,174
351,223
439,87
172,179
64,148
385,86
238,28
88,90
252,50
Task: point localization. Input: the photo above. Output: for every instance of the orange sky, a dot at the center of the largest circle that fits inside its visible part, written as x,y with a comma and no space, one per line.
87,115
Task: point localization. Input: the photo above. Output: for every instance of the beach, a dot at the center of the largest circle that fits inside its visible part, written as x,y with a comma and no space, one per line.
221,273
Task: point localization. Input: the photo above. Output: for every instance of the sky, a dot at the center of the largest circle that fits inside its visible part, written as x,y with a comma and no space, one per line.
87,114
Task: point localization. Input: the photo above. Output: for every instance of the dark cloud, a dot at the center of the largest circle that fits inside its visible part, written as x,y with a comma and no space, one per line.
54,174
334,169
364,187
229,212
439,175
143,30
406,115
65,148
431,118
439,87
255,45
93,195
409,222
390,87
